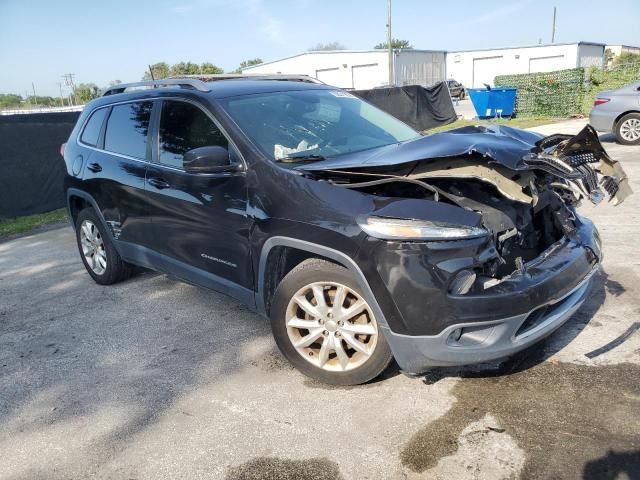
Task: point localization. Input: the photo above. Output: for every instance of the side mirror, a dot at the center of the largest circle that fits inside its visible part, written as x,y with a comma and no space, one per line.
213,159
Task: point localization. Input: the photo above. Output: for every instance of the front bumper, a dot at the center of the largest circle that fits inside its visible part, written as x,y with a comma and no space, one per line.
552,288
478,343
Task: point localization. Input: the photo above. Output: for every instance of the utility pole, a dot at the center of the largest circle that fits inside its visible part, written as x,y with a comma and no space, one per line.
68,81
389,43
553,29
61,97
35,99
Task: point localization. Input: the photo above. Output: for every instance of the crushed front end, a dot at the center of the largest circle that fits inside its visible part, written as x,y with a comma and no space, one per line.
475,249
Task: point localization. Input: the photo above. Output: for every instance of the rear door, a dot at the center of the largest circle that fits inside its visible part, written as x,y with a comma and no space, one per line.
200,220
114,172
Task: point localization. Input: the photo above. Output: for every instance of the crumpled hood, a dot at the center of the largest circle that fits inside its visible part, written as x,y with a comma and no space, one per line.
578,159
506,146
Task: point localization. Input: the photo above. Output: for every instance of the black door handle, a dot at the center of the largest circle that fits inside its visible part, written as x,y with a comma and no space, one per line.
158,182
94,167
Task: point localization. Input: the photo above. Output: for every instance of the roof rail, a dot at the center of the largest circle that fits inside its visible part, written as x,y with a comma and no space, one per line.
250,76
180,82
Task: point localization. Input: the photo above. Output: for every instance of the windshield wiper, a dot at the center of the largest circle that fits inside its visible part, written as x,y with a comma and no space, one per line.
312,157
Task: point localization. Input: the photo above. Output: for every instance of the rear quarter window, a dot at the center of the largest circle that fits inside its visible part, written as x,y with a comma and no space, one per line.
91,131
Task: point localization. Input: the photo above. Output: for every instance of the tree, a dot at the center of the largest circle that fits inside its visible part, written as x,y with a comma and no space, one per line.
160,70
85,92
185,68
41,101
163,70
396,44
626,57
608,56
327,46
209,69
247,63
10,100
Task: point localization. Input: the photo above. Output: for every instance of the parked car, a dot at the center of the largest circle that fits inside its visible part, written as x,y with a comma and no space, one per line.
361,239
456,89
618,111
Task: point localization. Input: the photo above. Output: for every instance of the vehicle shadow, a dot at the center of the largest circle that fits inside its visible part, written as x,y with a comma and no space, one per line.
613,465
607,138
540,352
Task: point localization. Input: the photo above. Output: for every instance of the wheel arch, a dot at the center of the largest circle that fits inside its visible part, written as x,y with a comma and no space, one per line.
268,269
619,117
78,200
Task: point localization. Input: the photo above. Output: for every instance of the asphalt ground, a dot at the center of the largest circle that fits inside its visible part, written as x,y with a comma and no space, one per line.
153,378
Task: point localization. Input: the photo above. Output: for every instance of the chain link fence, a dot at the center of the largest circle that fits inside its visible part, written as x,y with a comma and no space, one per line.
565,93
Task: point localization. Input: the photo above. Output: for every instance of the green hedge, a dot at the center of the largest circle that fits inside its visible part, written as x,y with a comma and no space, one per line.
565,92
548,94
610,79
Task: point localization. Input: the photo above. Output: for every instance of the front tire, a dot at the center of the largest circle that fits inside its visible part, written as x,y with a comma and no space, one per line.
97,251
323,325
627,130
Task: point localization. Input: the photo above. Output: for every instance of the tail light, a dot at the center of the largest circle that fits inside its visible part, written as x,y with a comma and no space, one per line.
62,149
600,101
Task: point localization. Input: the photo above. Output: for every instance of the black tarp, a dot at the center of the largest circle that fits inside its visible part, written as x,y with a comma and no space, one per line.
31,168
421,107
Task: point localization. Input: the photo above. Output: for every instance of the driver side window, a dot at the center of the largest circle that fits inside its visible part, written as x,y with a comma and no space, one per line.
183,127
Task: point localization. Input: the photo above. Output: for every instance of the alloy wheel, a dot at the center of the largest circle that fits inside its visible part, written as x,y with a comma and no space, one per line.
93,247
630,129
331,326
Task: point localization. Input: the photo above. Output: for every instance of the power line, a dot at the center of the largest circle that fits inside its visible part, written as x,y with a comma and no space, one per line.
68,81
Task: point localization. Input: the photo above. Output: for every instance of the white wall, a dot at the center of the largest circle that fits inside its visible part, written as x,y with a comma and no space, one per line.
344,69
474,68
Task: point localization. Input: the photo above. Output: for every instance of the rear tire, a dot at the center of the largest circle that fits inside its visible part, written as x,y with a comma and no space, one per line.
97,251
335,338
627,130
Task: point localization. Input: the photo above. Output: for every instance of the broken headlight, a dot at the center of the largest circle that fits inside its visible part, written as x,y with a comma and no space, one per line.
402,229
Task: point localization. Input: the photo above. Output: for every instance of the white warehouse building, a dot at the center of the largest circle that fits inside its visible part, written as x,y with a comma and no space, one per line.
361,69
474,68
364,69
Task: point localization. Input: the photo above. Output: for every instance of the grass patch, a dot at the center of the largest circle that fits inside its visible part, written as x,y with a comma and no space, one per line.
524,122
26,224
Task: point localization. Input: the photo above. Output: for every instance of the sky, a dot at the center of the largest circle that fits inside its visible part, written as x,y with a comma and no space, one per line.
101,41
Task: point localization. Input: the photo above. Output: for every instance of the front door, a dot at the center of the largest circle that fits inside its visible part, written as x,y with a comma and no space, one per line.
199,220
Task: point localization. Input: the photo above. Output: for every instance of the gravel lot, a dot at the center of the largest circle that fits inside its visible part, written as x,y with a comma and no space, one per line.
154,378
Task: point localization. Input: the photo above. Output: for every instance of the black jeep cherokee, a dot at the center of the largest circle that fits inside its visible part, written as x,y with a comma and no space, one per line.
361,239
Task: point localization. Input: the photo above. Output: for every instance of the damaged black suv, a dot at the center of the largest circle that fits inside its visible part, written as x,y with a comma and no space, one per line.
361,239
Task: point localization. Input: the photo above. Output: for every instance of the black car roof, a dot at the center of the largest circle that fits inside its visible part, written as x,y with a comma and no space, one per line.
215,89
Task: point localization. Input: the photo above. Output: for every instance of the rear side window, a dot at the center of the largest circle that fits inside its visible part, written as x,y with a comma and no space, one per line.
183,127
91,130
127,129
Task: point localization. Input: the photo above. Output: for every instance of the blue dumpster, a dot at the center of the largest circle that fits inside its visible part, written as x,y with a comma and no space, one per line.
497,102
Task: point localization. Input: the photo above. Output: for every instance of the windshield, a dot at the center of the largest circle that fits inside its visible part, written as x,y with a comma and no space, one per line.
314,123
